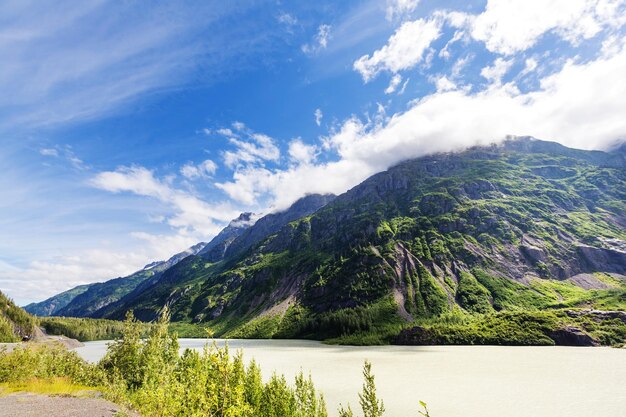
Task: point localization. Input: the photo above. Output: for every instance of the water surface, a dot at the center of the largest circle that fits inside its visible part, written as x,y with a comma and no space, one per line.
455,381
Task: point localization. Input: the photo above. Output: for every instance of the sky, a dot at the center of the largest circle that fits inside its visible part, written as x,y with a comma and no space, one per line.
129,133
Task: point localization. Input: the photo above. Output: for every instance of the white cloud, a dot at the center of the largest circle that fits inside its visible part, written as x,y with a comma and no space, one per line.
49,152
400,8
203,170
225,132
190,212
320,41
580,106
445,51
495,72
258,148
443,84
288,20
510,26
404,49
393,84
530,65
239,126
318,116
301,153
43,278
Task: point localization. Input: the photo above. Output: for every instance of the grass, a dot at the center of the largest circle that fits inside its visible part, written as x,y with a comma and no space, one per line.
48,386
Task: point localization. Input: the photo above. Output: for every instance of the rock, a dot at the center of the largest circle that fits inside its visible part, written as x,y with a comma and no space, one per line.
417,335
603,259
572,336
599,315
533,253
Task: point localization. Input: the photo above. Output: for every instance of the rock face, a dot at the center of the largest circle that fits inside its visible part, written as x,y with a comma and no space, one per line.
598,315
416,336
272,223
572,336
216,248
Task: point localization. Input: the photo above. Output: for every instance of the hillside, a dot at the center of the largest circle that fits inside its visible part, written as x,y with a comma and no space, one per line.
15,323
526,226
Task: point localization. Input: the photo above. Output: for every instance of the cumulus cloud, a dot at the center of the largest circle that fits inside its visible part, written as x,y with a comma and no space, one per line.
257,148
404,49
443,84
495,72
204,169
580,106
301,153
190,212
510,26
530,64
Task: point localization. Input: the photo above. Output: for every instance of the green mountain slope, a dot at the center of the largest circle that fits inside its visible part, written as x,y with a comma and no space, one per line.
52,305
527,226
15,323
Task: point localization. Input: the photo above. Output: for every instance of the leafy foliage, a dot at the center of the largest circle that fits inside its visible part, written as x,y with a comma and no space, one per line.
15,323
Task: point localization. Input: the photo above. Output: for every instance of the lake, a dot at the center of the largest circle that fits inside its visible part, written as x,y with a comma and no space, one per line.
455,381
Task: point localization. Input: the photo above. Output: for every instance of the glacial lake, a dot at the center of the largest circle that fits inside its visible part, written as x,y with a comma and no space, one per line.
455,381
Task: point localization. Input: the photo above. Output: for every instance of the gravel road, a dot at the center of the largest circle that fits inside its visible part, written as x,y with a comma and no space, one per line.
34,405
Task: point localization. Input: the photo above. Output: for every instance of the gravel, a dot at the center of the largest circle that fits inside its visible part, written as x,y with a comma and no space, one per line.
34,405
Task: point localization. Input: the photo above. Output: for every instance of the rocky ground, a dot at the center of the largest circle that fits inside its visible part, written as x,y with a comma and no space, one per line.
34,405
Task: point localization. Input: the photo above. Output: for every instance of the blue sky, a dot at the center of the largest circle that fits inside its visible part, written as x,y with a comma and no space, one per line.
130,133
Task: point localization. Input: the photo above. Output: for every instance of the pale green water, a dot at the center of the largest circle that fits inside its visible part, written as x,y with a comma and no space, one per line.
455,381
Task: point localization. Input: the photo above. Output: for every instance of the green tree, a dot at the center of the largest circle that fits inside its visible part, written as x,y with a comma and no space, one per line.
370,404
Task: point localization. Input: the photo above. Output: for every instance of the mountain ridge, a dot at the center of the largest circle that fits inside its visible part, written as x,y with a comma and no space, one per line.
524,225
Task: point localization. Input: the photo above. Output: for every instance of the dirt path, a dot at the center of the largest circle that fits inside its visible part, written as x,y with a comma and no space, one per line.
34,405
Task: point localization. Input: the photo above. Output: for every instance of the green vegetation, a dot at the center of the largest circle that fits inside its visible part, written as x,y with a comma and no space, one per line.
85,329
516,328
528,226
149,376
15,323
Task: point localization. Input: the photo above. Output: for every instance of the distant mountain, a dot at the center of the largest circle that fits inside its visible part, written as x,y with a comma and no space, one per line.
526,225
15,323
242,234
52,305
84,300
217,247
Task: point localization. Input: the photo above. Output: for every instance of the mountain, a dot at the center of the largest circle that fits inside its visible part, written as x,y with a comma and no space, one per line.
217,247
52,305
15,323
149,298
84,300
523,226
